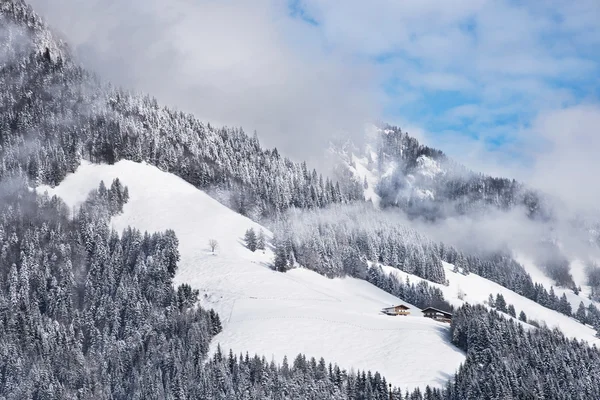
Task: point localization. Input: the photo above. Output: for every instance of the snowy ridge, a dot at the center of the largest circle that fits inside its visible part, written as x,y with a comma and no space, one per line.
267,312
428,167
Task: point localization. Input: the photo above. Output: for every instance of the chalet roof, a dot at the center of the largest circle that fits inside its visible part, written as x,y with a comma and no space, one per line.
400,306
436,309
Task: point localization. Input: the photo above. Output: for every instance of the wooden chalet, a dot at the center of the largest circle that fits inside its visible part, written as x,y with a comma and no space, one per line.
438,315
396,310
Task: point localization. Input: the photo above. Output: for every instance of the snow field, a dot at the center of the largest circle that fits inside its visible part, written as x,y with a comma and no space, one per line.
577,270
267,312
361,172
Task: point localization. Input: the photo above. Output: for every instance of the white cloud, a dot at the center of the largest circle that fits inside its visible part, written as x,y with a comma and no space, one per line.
229,62
251,64
566,159
462,111
558,154
439,81
503,55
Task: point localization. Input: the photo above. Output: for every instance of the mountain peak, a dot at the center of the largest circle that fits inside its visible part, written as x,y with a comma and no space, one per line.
23,30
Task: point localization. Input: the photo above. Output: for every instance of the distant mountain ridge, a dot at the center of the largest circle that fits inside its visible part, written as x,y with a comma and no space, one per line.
424,182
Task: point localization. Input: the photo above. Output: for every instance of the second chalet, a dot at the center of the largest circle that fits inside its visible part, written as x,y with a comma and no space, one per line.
437,315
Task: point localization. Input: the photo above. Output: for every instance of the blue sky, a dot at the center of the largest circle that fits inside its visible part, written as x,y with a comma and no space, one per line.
479,71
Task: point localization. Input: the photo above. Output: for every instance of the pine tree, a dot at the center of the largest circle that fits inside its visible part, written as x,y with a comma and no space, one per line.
250,239
260,240
281,256
564,306
581,314
522,316
511,311
500,303
491,301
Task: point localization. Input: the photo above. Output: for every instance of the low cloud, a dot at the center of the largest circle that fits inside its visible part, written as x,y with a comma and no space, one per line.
17,41
507,61
235,63
566,156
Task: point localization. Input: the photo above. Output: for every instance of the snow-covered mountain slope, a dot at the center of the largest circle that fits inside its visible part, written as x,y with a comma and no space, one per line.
419,184
267,312
577,270
364,173
476,289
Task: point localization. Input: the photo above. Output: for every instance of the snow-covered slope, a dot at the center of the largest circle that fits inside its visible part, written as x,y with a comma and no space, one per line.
577,271
364,172
418,184
267,312
477,290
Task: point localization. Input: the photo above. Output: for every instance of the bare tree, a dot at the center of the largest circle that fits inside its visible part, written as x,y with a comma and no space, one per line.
213,244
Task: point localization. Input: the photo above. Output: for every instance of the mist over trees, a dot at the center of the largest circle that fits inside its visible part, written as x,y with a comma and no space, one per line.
554,264
340,240
593,280
456,191
431,190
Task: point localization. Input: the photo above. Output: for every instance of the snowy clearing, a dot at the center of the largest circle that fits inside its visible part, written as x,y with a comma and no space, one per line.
267,312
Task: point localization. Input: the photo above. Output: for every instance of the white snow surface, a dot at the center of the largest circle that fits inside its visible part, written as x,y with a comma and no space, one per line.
477,290
423,194
266,312
429,167
577,270
361,171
